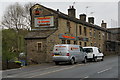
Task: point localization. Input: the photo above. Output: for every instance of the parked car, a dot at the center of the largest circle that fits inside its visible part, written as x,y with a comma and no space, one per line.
68,53
93,53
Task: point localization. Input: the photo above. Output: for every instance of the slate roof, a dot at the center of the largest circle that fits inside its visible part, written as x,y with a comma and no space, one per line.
46,33
42,34
65,16
114,30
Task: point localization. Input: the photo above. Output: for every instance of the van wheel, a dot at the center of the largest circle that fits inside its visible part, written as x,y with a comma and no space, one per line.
102,58
56,63
72,61
95,59
85,60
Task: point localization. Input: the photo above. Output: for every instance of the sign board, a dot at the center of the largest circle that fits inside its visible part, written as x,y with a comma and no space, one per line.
67,36
46,21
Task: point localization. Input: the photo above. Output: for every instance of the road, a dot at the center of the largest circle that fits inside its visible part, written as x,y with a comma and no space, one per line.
101,69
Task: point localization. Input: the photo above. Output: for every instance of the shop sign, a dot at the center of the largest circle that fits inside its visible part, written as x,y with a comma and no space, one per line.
46,21
37,10
66,36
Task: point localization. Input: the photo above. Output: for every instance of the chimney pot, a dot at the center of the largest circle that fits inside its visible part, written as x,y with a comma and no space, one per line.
82,17
57,10
72,12
102,21
103,24
91,20
72,6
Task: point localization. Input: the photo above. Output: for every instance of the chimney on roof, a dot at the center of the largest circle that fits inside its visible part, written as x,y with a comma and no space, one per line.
72,11
103,24
82,17
57,10
91,20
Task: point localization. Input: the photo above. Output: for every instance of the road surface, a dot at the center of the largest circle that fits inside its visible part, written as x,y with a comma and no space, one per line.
101,69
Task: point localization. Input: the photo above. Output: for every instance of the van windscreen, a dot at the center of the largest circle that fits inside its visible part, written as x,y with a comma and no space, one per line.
88,50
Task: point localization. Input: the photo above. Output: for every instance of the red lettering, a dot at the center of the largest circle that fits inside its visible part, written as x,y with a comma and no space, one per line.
39,22
68,37
45,21
43,18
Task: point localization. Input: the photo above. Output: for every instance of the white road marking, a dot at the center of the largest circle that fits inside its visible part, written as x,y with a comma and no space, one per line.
104,70
15,75
34,70
11,69
86,77
9,76
54,71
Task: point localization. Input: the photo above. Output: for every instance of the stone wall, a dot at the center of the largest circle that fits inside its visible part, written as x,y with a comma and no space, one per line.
33,55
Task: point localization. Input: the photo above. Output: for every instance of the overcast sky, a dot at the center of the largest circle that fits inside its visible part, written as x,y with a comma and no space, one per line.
106,10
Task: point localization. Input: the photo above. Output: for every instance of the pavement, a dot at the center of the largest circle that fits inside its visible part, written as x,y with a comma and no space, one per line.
101,69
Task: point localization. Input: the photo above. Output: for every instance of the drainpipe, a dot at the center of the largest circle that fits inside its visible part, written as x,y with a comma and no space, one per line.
76,33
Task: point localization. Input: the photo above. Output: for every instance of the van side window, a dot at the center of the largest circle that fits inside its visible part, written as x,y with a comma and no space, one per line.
99,51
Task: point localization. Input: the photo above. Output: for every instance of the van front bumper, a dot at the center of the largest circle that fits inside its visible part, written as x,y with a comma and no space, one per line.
61,58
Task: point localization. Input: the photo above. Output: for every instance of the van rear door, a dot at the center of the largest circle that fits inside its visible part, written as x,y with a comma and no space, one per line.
60,50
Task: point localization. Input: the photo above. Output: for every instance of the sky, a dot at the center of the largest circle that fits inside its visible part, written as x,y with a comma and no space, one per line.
106,10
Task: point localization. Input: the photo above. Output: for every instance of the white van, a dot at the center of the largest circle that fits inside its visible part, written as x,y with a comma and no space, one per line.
93,53
68,53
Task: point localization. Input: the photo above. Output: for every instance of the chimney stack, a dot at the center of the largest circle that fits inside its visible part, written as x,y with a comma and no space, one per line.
104,25
72,11
82,17
91,20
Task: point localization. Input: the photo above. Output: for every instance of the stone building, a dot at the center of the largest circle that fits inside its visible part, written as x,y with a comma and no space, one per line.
113,41
50,27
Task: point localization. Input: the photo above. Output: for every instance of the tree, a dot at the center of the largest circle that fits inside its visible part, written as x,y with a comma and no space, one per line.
17,17
8,46
17,20
13,17
26,15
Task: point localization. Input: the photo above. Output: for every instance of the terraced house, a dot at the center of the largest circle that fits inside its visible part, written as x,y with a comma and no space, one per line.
50,27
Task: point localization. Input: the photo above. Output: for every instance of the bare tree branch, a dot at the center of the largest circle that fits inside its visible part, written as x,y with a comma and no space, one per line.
17,16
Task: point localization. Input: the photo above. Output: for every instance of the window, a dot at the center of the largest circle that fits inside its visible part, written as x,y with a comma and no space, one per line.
99,36
85,44
80,30
63,42
95,44
88,50
68,41
99,51
85,31
39,46
68,26
80,43
99,45
90,33
75,42
91,44
94,34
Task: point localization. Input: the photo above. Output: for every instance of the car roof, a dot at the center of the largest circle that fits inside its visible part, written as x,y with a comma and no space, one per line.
90,47
66,45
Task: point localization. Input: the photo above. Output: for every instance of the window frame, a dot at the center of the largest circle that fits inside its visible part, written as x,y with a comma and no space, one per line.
63,41
38,46
80,30
68,41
